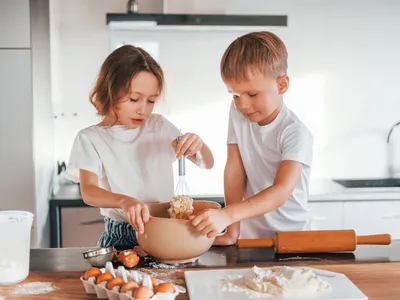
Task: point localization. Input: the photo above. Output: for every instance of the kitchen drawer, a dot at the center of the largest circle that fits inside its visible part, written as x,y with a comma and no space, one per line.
373,217
81,226
326,215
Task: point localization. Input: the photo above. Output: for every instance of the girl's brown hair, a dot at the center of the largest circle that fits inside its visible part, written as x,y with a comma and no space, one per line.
257,51
116,73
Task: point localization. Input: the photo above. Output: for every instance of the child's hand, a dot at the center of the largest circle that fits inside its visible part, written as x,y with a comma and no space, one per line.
136,213
188,145
230,237
211,222
224,240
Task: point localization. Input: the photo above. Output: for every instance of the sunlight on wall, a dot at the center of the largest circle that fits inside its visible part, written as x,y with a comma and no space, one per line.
306,97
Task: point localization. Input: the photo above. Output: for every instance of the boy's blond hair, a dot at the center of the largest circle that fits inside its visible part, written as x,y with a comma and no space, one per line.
260,51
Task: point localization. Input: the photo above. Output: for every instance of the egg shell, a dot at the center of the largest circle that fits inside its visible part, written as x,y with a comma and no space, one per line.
130,260
115,282
129,286
124,253
165,287
104,277
143,292
154,281
92,272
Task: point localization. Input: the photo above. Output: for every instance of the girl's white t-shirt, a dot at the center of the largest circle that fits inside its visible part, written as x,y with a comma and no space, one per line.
262,149
133,162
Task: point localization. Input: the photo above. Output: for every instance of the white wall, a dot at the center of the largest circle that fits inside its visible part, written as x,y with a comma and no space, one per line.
343,62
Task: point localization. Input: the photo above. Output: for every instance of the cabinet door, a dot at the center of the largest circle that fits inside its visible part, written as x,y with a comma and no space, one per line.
81,226
16,121
373,217
326,215
15,24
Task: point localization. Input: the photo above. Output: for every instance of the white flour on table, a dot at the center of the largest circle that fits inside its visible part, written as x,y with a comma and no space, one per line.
33,288
235,284
158,265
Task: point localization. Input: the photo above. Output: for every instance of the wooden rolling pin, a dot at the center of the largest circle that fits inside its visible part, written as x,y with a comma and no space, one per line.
317,241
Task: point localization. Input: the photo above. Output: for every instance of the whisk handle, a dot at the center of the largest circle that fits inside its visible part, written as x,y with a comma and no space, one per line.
181,162
182,166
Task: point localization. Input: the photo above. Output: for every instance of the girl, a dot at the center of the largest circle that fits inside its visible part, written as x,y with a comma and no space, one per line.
126,160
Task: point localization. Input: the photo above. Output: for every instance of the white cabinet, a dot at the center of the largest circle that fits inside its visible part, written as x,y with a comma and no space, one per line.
15,24
373,217
326,215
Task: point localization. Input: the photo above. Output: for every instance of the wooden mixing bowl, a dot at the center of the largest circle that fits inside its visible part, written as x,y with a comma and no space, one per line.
173,240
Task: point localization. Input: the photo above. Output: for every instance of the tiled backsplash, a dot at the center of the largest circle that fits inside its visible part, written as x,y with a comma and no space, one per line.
343,64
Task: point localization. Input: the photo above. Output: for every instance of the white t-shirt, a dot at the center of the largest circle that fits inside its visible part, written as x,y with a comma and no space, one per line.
133,162
262,149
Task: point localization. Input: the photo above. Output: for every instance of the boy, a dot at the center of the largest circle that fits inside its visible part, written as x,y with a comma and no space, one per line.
269,149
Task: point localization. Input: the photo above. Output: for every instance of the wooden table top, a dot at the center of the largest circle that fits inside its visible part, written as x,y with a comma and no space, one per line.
376,280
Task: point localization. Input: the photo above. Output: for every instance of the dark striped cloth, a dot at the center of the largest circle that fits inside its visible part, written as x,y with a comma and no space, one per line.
117,234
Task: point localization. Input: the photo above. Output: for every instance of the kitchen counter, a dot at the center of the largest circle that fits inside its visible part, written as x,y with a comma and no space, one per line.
69,197
374,269
71,259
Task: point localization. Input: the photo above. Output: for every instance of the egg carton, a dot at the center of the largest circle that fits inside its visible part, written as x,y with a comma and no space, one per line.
127,275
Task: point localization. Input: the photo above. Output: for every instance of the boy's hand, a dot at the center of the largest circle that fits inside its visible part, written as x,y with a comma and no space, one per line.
136,213
230,237
224,240
188,145
211,222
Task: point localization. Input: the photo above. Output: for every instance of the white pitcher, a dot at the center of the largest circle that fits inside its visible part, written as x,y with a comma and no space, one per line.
15,241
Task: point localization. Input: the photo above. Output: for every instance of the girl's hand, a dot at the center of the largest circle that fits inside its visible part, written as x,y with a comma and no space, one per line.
188,145
136,213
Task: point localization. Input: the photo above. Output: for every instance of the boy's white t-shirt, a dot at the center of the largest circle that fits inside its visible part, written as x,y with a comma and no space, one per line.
262,149
133,162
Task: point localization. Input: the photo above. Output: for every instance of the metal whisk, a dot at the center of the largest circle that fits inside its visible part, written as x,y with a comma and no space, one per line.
182,188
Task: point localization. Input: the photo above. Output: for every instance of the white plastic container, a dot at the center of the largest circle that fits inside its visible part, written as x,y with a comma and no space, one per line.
15,242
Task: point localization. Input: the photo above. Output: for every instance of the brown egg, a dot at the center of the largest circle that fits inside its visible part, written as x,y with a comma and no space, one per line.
124,253
129,286
143,292
130,260
165,287
104,277
155,281
115,282
92,272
